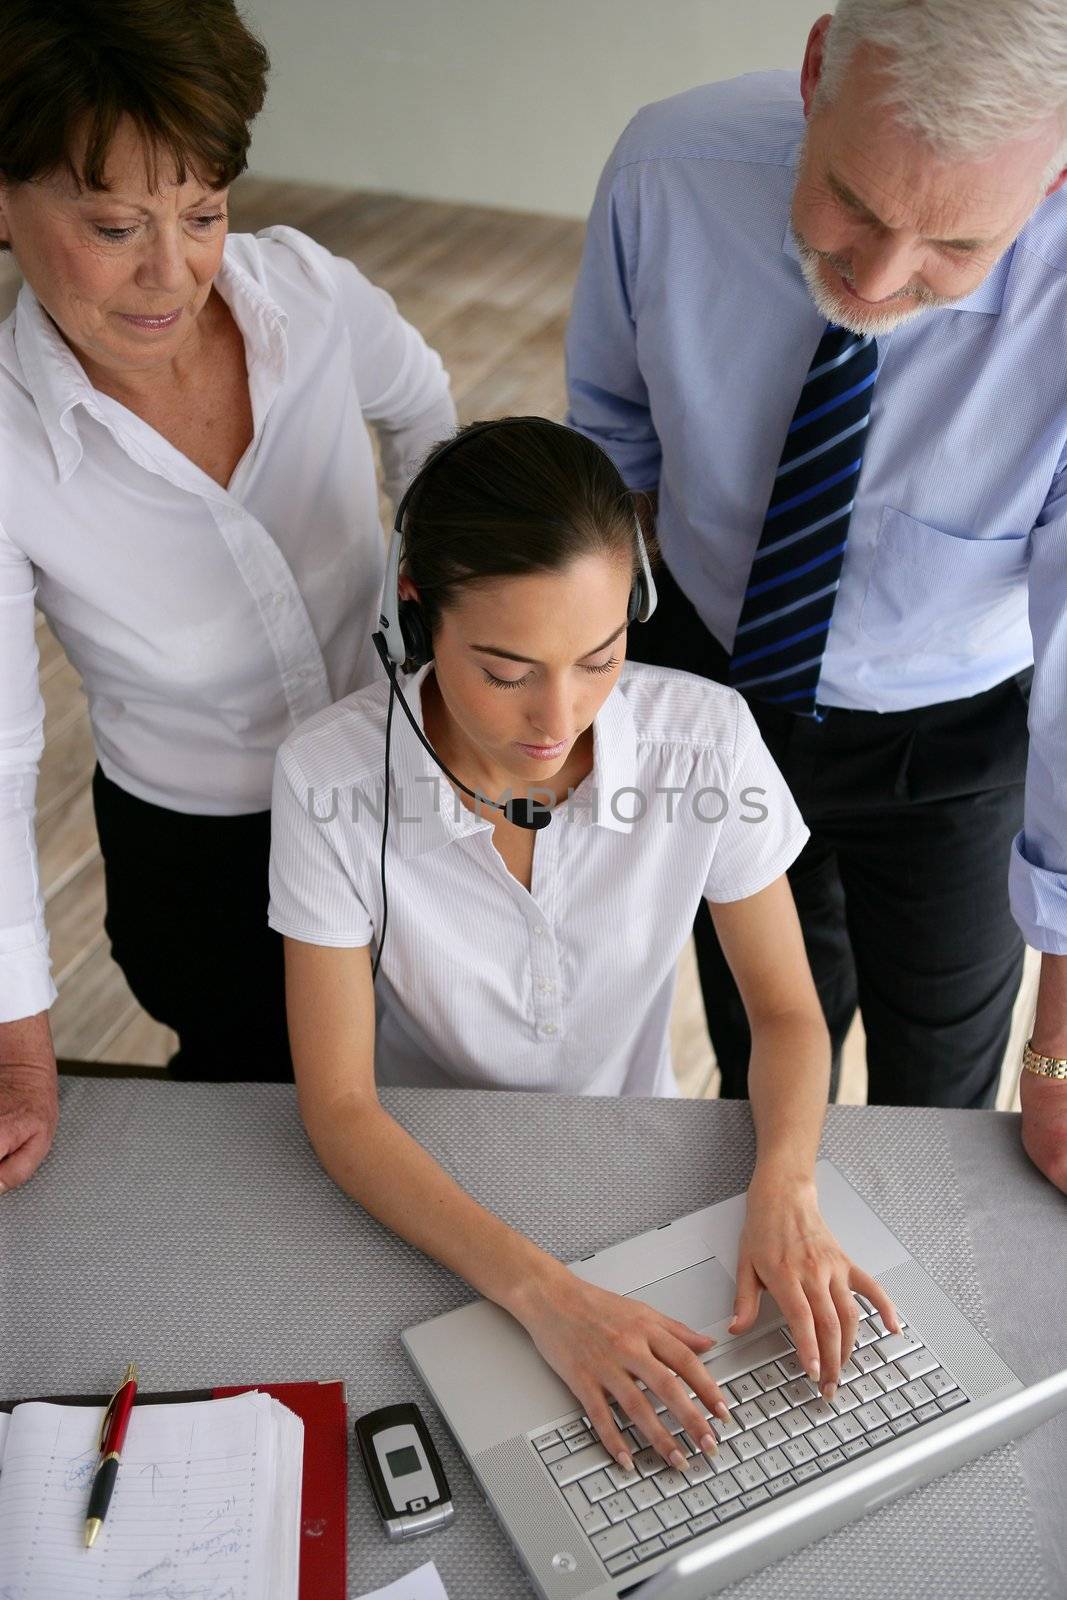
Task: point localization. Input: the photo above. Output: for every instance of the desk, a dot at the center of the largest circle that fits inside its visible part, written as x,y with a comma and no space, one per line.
210,1247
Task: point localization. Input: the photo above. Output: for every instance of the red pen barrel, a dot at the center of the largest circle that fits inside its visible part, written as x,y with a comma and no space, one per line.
115,1432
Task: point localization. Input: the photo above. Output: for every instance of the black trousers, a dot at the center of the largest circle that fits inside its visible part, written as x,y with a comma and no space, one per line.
187,920
902,888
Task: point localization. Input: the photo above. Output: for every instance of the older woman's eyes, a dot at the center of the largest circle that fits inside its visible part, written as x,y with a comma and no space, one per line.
116,235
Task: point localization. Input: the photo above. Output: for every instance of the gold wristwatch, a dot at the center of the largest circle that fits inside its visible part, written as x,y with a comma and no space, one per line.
1044,1066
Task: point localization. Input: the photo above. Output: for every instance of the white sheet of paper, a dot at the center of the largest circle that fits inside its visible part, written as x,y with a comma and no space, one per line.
422,1584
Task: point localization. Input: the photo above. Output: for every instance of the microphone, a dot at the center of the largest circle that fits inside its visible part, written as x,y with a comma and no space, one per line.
532,814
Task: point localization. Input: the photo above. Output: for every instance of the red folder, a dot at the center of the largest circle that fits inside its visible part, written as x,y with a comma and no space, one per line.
324,1504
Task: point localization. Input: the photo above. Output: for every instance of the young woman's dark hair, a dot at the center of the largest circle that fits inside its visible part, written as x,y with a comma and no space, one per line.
187,72
529,496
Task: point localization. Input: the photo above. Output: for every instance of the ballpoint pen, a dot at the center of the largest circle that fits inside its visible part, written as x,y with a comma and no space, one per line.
112,1433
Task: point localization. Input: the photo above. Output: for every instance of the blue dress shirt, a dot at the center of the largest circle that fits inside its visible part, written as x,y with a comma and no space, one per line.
690,337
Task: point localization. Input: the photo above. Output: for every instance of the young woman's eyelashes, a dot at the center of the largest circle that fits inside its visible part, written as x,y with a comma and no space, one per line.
517,683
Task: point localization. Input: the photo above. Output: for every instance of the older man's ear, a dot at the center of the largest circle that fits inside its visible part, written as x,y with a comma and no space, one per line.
811,69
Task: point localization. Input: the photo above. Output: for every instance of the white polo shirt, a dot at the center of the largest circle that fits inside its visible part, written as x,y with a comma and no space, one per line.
564,987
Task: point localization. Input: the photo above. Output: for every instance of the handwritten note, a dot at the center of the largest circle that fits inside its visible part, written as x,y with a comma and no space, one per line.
422,1584
194,1515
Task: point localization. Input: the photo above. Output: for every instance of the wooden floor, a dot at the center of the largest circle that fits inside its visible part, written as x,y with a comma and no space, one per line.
490,290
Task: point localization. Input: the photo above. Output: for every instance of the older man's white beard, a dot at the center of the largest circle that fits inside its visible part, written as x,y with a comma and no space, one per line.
845,313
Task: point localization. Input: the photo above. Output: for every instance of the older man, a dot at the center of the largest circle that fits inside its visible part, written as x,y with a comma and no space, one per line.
820,326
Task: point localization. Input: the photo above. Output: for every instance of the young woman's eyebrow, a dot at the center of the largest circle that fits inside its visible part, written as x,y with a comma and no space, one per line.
509,655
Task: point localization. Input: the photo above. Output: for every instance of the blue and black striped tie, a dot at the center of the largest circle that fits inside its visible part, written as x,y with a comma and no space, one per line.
785,615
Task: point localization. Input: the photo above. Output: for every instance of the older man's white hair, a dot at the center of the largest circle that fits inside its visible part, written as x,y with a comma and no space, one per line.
963,75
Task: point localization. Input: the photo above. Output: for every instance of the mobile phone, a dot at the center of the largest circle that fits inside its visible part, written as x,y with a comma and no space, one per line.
405,1472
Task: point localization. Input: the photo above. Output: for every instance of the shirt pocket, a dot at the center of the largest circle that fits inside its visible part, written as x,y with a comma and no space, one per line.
929,588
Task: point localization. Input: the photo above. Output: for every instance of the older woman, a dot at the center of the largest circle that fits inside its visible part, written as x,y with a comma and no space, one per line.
189,494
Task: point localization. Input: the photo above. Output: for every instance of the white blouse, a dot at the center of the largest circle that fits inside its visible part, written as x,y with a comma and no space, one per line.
205,622
566,986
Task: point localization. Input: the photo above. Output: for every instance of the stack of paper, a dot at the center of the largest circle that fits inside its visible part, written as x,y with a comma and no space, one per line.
206,1504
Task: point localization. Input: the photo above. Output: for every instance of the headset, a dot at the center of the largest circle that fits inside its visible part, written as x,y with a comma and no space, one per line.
403,638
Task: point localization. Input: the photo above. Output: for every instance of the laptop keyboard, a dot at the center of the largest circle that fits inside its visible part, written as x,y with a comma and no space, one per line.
781,1435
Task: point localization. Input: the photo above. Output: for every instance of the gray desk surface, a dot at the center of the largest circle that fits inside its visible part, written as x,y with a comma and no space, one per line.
209,1246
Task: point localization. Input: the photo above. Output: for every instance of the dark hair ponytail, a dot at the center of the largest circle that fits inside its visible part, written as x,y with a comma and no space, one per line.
531,496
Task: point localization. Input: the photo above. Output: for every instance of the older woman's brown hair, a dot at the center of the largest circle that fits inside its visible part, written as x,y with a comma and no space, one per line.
188,73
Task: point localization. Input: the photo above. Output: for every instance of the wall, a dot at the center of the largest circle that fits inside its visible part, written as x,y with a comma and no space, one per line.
501,102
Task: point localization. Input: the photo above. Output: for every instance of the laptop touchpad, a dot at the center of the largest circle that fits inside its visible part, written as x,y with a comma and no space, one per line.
697,1296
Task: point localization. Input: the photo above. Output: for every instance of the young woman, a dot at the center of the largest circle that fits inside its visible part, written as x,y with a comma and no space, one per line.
545,959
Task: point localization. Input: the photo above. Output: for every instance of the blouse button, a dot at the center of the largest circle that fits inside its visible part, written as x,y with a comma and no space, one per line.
549,1028
544,987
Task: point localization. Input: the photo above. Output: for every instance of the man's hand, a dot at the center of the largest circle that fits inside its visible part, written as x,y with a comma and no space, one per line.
1044,1102
29,1098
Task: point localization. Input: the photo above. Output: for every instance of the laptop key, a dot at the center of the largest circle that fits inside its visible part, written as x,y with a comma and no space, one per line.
797,1451
732,1508
699,1469
597,1486
744,1448
724,1366
794,1422
926,1412
676,1535
554,1452
822,1440
579,1440
809,1469
847,1428
612,1541
754,1497
896,1345
569,1429
750,1475
706,1520
773,1463
867,1359
832,1458
724,1488
770,1434
726,1430
577,1465
592,1519
918,1364
799,1391
940,1381
770,1376
646,1525
649,1547
916,1393
746,1387
648,1461
697,1500
871,1416
856,1447
819,1411
669,1483
774,1404
867,1388
791,1366
616,1564
865,1335
749,1415
905,1423
849,1370
844,1400
880,1435
617,1507
895,1405
621,1478
644,1494
671,1513
543,1440
724,1458
780,1485
890,1377
949,1402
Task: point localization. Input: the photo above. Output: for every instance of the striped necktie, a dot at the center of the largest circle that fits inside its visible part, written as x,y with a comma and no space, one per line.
785,615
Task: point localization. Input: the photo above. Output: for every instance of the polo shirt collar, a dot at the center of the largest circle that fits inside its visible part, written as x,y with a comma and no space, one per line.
59,385
427,814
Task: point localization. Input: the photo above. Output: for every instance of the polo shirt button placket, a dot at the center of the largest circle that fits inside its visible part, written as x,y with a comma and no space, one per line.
547,1018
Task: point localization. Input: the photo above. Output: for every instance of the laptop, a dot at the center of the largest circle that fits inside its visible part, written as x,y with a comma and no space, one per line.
790,1466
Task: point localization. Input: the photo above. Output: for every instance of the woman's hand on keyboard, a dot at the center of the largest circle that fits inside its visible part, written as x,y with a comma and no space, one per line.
610,1350
787,1249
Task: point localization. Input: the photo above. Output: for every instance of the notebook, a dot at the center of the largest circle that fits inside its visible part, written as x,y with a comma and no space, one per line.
207,1503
